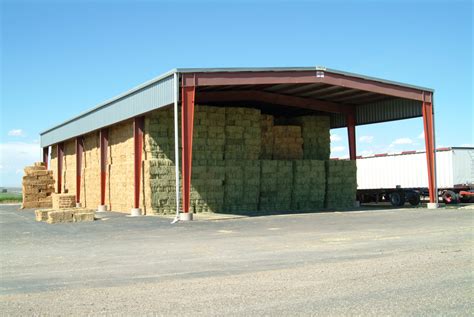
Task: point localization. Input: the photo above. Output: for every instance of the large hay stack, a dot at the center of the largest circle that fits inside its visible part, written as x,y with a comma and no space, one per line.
242,161
37,186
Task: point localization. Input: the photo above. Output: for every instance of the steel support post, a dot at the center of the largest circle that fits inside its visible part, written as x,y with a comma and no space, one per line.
427,110
79,153
60,157
138,126
351,134
187,123
104,144
46,156
176,143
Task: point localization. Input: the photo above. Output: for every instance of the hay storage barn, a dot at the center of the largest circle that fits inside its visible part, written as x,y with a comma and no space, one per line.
227,140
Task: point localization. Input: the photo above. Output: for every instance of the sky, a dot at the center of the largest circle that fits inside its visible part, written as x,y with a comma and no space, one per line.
60,58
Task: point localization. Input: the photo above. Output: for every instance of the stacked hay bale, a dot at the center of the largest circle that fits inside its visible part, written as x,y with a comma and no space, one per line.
159,136
341,183
266,125
207,191
91,171
242,162
161,185
287,142
159,166
276,184
309,185
37,186
242,134
120,170
207,179
316,138
69,167
62,201
64,215
208,171
53,164
209,134
242,185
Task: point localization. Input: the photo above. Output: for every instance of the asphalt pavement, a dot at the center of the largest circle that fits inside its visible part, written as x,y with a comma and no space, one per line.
374,262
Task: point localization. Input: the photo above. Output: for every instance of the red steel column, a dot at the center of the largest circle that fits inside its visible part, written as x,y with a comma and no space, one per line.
79,152
46,156
60,157
138,126
351,123
104,143
187,123
427,109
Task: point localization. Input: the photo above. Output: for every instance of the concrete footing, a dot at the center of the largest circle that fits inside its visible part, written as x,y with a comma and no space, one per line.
78,205
186,216
432,205
102,208
135,212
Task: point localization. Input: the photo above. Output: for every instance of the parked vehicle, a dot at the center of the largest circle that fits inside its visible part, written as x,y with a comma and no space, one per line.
401,178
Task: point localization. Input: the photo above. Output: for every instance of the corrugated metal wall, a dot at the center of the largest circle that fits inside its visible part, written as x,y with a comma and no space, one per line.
153,96
389,110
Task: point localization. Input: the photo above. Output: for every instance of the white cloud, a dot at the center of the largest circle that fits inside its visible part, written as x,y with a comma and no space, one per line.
335,138
14,156
16,132
366,139
421,135
337,149
403,141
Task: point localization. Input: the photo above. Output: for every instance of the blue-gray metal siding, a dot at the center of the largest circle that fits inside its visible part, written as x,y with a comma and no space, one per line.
389,110
153,96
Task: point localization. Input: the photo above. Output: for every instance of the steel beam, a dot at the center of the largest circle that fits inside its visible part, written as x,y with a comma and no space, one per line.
427,109
46,156
301,77
187,123
79,153
104,144
138,126
272,98
351,133
60,157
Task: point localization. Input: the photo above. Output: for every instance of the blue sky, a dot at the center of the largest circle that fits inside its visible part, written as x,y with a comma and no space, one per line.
59,58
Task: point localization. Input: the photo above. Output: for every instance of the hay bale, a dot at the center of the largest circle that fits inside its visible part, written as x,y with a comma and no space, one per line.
287,142
276,185
309,185
42,214
83,216
242,185
60,216
63,201
315,133
242,134
341,183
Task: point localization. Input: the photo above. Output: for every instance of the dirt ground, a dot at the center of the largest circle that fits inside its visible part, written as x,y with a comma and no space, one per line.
372,262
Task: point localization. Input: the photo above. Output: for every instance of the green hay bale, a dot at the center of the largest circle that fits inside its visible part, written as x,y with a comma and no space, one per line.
341,185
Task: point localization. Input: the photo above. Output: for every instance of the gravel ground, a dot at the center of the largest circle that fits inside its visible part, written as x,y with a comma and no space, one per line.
379,262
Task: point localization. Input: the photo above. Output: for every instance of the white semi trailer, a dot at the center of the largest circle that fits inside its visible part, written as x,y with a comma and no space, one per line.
402,177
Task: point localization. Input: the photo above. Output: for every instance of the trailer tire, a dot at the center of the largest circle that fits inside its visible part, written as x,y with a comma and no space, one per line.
397,199
414,198
450,197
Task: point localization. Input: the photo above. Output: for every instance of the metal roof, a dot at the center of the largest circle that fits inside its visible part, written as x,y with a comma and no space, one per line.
274,69
370,107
